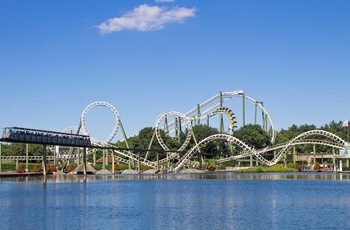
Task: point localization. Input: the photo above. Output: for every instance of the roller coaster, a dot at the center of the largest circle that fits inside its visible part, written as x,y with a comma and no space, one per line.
214,106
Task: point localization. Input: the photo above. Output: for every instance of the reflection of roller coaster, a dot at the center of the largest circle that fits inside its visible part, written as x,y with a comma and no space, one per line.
211,107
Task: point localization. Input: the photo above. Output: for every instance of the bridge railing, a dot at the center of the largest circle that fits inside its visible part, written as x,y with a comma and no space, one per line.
23,158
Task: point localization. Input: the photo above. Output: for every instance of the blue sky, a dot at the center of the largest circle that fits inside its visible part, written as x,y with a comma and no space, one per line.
149,57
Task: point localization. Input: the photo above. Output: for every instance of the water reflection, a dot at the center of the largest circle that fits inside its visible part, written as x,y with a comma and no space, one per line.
66,178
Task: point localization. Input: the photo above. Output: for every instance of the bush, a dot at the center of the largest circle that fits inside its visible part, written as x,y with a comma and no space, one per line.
37,168
20,168
298,166
117,168
50,168
317,166
212,167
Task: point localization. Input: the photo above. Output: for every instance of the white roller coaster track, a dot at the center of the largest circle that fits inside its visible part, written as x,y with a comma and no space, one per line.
211,138
211,104
337,142
127,154
187,123
110,107
264,151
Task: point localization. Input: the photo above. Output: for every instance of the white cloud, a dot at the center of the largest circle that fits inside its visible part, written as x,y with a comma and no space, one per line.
146,18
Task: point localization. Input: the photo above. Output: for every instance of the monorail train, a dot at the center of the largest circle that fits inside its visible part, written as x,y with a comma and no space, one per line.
25,135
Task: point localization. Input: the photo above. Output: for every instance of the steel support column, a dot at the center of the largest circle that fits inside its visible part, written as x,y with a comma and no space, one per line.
221,116
104,159
84,161
243,110
113,163
44,160
251,160
255,112
294,150
198,114
314,149
78,156
334,167
54,155
27,154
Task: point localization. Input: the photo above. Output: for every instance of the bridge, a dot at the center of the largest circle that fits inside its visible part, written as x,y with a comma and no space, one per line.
36,136
203,112
44,137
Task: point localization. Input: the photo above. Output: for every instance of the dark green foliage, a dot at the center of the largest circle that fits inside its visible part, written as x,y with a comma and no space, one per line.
16,149
253,135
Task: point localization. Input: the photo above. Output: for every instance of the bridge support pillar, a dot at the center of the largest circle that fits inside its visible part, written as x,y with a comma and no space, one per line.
54,155
94,156
340,165
84,161
27,154
104,159
113,163
44,160
78,156
314,148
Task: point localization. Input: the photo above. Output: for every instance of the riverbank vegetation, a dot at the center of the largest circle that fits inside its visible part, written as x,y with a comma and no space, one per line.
275,168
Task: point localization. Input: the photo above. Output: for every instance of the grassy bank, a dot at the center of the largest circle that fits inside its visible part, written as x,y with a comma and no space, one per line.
275,168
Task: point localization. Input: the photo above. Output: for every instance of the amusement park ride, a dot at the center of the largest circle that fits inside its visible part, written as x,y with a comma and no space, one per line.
214,106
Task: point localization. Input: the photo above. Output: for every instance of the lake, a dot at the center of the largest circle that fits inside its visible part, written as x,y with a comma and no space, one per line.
177,201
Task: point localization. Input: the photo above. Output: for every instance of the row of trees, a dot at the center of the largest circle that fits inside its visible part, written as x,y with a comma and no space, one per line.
252,135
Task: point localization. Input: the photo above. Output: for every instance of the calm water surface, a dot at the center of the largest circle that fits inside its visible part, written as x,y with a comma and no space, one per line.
205,201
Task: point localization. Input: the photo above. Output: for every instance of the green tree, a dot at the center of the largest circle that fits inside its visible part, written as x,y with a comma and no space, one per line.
253,135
